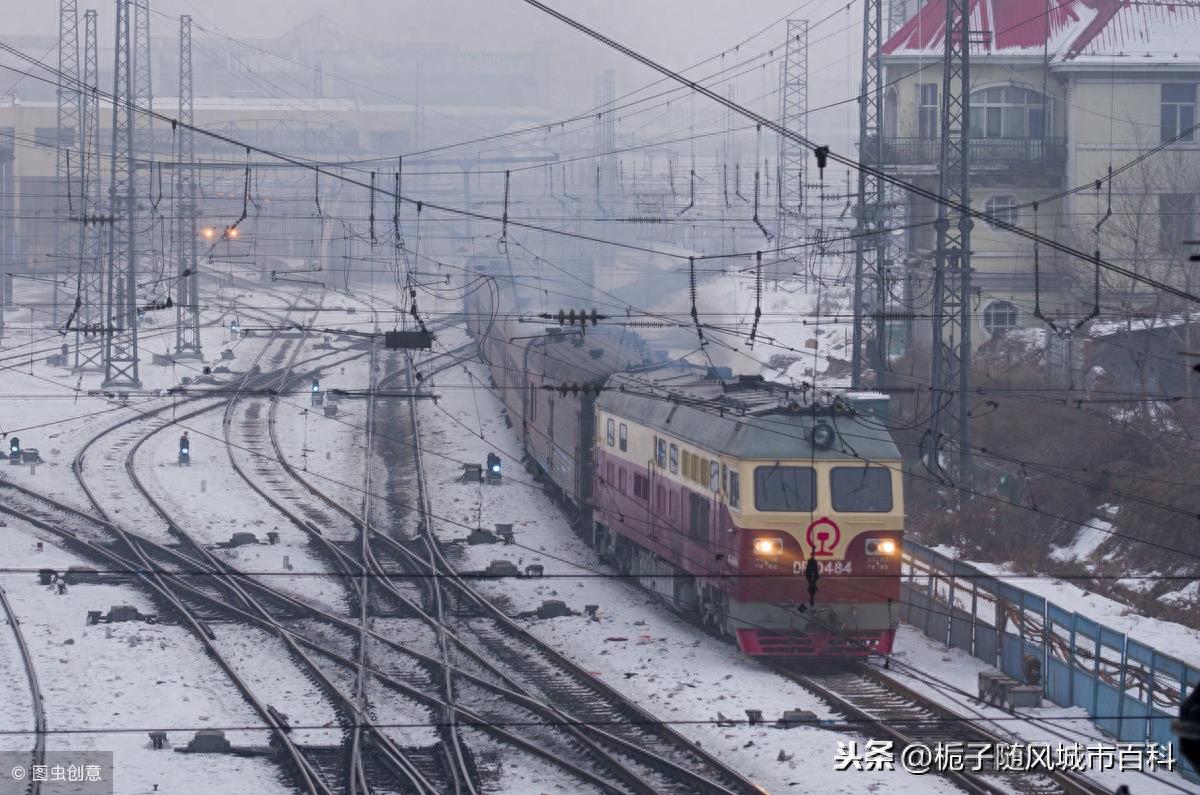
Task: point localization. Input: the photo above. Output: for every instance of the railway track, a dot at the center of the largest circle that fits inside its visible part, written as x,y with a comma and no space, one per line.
888,710
614,763
641,757
38,752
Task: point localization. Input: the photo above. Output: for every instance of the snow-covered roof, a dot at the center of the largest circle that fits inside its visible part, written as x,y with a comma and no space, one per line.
1164,32
1068,31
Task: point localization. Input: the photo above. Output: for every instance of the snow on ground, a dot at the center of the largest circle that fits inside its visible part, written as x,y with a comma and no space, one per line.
1088,538
210,502
919,660
327,451
516,772
262,661
60,417
123,679
638,645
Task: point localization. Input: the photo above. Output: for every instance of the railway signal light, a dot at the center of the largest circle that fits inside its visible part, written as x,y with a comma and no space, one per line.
316,386
14,446
493,467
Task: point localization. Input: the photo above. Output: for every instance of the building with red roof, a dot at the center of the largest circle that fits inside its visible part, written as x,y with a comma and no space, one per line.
1062,91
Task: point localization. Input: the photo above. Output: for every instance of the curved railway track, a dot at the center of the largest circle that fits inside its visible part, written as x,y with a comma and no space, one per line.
38,753
536,702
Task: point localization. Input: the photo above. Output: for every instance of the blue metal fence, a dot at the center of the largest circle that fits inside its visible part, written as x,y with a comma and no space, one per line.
1129,689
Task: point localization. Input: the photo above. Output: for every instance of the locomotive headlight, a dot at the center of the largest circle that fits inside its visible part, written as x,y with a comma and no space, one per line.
768,546
881,546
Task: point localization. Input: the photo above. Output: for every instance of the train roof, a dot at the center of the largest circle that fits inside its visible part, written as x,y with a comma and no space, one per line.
745,417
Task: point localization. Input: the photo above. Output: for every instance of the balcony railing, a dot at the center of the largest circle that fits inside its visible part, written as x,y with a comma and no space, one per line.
1039,153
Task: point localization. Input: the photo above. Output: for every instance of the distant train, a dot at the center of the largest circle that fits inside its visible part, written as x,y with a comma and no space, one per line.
725,495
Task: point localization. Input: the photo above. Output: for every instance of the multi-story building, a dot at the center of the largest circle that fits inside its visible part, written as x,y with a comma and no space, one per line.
1061,92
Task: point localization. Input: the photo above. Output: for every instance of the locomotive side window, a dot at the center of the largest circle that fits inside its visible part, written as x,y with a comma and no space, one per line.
674,459
735,490
714,476
641,487
660,451
697,517
624,438
611,435
865,489
780,488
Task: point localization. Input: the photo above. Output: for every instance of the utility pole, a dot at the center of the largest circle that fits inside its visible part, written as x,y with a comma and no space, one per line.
89,346
187,306
7,235
897,15
120,327
143,88
67,136
793,116
951,355
869,246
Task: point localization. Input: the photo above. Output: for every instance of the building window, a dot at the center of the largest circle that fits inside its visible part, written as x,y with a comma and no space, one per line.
624,437
1007,112
673,508
1178,112
611,433
621,480
714,476
1177,221
735,490
998,316
674,461
610,474
660,452
1001,208
660,499
927,111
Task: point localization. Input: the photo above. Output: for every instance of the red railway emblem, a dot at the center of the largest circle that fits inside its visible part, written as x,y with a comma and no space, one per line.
823,536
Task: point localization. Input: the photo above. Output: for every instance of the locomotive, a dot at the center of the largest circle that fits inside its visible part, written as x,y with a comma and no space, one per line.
773,516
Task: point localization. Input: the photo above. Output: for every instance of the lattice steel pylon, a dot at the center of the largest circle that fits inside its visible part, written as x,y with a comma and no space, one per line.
66,244
950,379
120,326
89,345
870,246
143,89
897,15
187,286
793,116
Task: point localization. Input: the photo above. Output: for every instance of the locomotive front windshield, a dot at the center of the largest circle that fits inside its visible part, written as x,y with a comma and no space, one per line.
782,488
861,489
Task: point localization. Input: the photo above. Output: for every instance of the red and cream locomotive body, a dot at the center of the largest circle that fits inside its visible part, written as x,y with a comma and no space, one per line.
720,494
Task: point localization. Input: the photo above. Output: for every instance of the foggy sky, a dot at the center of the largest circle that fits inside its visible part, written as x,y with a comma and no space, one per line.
677,33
